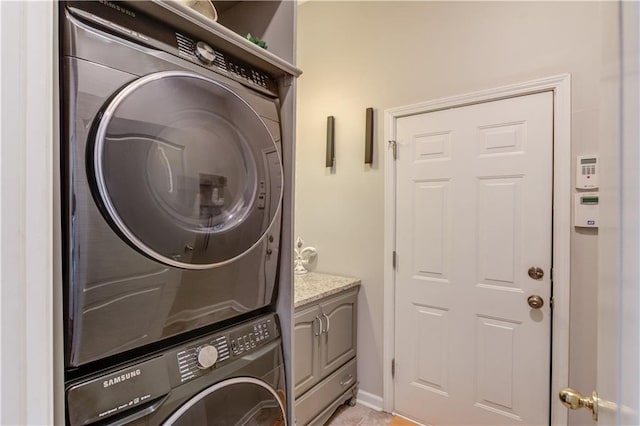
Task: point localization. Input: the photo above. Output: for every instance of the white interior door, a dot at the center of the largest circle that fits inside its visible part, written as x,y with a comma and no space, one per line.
618,376
474,213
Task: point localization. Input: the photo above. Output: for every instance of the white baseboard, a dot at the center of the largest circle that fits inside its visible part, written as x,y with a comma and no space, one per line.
370,400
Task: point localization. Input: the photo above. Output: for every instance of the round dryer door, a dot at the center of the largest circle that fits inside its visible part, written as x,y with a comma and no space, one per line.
240,401
185,170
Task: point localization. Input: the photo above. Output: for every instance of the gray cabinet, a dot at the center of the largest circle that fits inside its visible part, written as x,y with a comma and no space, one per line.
307,328
324,358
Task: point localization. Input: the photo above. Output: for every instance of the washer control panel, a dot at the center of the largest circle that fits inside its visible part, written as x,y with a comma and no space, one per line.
196,358
204,355
252,337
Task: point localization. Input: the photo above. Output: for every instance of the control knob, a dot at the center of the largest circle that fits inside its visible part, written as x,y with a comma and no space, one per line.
205,53
206,356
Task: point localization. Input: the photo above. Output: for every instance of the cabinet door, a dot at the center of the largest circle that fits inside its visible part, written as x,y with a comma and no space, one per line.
338,342
306,329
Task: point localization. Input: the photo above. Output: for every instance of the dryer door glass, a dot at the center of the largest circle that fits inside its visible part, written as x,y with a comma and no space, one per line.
185,170
241,401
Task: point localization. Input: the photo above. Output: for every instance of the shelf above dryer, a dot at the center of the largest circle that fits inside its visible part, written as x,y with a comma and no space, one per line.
184,18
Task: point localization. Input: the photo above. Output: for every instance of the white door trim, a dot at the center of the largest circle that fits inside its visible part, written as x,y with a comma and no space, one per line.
561,87
28,122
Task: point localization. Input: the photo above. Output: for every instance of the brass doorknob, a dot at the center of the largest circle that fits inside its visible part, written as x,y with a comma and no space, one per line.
535,301
535,272
573,399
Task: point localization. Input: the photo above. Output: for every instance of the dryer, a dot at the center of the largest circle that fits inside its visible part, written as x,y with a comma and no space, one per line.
171,183
233,377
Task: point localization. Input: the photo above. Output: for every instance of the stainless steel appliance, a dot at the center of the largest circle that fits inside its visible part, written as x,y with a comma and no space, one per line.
234,377
171,183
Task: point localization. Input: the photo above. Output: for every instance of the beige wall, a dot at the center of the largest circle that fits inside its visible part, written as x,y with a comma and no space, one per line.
387,54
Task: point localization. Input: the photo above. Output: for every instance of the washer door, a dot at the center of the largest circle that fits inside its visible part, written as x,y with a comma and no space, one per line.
185,170
235,402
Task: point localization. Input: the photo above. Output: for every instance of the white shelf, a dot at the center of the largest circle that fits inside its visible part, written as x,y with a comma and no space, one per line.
186,19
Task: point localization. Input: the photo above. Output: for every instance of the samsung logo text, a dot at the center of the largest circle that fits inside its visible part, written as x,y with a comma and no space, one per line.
118,8
121,378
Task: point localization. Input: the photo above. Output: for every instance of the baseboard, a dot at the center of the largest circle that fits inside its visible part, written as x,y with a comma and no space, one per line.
370,400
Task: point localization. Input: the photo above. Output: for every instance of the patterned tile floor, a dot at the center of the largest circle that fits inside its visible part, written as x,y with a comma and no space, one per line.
363,416
359,416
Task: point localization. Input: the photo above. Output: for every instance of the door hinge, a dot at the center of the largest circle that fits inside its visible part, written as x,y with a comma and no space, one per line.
394,148
393,368
394,259
551,303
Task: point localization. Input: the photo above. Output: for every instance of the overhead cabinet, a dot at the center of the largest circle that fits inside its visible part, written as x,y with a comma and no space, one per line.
324,361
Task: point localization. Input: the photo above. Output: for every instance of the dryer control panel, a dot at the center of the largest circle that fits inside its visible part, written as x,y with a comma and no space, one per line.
135,25
202,53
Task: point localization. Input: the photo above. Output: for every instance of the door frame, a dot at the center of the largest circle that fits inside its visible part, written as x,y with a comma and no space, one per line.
560,85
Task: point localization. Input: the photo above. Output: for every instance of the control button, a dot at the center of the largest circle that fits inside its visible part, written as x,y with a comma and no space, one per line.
205,53
206,356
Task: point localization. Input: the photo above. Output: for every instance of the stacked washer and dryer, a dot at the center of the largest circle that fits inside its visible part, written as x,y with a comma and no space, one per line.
172,187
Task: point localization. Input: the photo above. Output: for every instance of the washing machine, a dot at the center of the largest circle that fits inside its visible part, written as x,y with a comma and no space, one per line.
171,183
233,377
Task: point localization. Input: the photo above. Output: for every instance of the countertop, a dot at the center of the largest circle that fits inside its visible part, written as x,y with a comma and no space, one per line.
314,286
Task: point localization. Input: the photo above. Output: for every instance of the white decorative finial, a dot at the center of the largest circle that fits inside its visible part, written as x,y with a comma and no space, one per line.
303,257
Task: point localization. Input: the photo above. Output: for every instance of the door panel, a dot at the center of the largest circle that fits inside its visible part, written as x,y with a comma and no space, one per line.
431,237
306,329
431,362
339,340
498,229
495,348
474,198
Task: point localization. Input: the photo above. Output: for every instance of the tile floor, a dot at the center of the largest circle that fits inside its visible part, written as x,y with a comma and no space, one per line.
359,416
363,416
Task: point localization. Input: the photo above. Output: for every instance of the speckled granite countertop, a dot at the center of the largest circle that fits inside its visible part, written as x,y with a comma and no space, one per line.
313,286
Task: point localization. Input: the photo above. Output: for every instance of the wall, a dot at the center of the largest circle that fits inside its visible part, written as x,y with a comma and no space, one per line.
386,54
